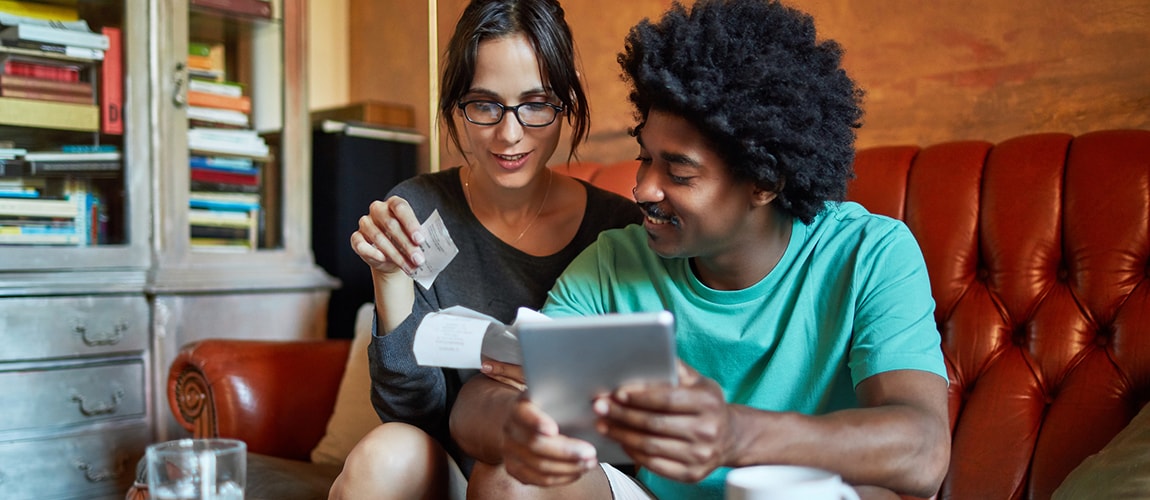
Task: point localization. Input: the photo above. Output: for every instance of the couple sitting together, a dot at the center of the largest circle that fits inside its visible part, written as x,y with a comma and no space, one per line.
804,324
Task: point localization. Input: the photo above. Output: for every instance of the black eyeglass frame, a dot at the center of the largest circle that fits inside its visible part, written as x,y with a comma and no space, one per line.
503,109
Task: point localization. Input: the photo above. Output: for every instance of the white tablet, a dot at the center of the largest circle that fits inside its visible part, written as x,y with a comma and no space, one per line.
569,361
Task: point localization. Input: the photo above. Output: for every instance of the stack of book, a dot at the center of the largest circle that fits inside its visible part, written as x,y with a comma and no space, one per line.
67,36
35,218
224,202
50,69
225,154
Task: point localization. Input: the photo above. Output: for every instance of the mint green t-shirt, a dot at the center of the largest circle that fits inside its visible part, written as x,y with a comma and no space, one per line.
849,299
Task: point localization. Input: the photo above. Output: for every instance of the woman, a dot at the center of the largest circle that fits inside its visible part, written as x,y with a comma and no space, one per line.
509,82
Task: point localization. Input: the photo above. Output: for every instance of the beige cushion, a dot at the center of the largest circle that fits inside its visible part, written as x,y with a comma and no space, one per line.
1121,469
353,416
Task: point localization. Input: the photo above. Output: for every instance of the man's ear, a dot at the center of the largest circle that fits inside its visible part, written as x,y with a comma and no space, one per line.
764,193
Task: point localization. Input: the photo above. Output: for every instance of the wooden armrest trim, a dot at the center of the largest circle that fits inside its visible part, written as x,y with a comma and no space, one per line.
192,401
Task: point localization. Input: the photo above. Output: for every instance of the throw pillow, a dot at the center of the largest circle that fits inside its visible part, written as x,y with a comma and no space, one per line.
1121,469
353,416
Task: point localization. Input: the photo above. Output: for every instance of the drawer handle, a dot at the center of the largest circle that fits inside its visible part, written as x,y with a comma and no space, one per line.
94,339
100,408
96,476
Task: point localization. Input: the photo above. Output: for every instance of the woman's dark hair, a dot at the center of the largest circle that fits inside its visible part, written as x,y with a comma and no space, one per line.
543,24
772,100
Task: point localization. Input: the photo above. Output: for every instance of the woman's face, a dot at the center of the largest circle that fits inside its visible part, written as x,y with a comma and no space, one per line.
508,72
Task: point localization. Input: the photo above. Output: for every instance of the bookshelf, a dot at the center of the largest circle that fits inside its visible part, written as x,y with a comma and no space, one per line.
134,219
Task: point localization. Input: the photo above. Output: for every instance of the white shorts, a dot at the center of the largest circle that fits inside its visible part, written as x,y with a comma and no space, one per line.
624,487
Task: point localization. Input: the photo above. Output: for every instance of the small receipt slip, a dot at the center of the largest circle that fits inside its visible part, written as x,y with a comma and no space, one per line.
438,250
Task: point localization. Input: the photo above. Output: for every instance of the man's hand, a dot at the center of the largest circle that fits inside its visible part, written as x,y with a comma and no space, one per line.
535,453
681,432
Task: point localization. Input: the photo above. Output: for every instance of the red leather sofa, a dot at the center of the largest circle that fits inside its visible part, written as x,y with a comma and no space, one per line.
1038,249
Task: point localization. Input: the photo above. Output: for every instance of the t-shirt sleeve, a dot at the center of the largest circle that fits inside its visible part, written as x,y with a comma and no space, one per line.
895,327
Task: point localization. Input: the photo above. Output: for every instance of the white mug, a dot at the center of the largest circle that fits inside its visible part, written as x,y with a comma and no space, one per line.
786,482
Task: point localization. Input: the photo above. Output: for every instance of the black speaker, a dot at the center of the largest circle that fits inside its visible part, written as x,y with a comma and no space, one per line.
351,167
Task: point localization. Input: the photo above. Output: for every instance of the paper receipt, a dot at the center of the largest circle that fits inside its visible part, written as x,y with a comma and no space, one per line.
438,250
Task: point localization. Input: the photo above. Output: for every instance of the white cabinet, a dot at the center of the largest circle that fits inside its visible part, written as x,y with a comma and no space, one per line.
114,248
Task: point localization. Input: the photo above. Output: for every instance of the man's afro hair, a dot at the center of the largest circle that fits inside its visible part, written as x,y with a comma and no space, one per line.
750,74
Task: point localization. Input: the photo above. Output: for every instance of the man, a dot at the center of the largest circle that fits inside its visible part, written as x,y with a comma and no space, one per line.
804,324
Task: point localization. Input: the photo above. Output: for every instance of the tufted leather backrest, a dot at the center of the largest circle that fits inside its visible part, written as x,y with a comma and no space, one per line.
1038,250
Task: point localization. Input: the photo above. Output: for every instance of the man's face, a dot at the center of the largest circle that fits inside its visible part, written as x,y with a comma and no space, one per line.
694,205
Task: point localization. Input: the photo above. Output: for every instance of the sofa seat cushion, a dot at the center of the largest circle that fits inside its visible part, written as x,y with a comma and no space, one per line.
283,479
1120,470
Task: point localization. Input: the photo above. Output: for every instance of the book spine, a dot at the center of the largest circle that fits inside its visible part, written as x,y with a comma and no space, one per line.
112,84
37,10
57,167
224,89
37,208
62,36
56,72
48,114
27,82
204,99
243,7
222,163
45,95
202,175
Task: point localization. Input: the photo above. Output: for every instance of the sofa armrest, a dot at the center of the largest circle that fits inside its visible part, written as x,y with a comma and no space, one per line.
276,396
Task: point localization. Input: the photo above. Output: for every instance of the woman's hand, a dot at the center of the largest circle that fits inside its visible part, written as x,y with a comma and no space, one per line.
506,373
389,236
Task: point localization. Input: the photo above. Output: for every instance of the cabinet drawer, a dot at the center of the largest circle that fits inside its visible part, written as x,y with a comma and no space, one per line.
54,327
89,465
65,395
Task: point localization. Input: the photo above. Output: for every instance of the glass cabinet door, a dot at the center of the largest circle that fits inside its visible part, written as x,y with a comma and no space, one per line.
234,103
72,161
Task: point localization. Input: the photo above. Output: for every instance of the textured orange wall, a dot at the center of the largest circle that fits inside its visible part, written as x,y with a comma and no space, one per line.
933,71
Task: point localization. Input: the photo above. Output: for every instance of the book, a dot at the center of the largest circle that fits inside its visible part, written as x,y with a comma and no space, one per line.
47,114
12,168
37,10
55,48
242,104
224,163
45,95
220,232
256,8
72,167
54,34
87,148
38,207
224,187
112,84
59,71
214,115
202,175
220,218
222,205
49,85
72,156
227,89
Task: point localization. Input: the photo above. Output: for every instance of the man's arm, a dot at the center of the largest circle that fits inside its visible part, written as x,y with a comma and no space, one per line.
898,440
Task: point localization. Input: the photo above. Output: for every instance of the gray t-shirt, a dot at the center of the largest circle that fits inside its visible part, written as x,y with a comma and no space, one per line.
488,276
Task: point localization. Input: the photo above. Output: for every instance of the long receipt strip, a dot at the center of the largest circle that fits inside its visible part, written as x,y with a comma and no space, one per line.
458,337
438,250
